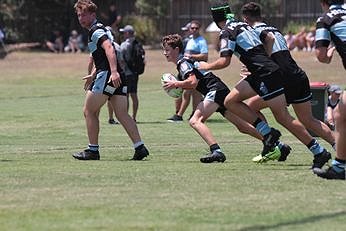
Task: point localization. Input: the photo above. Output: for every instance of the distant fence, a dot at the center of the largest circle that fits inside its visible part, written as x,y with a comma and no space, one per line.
40,21
182,11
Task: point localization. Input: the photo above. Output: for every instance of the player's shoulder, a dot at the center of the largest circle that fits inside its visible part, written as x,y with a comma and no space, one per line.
184,64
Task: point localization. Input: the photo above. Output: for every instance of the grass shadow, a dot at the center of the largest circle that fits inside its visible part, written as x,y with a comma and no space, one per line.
302,221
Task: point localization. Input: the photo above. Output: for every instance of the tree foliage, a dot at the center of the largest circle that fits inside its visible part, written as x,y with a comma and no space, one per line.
269,7
153,7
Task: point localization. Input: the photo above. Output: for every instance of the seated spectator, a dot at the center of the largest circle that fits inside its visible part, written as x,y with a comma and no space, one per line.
310,39
3,51
2,35
290,38
333,100
74,43
300,39
56,42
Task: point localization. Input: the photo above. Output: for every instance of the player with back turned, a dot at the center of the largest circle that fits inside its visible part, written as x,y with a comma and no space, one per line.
331,28
296,82
265,80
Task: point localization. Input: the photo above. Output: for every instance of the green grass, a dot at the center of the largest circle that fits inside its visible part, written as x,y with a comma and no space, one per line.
43,188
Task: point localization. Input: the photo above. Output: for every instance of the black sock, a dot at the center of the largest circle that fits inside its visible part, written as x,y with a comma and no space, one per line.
214,147
258,120
139,147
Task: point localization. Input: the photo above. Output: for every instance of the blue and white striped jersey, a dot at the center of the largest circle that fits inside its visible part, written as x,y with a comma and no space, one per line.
331,27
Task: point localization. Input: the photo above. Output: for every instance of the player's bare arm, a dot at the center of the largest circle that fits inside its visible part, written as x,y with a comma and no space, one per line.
269,42
189,83
220,63
111,57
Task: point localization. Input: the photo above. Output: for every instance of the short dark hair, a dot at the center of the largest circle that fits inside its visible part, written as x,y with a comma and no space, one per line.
333,2
220,10
173,40
252,10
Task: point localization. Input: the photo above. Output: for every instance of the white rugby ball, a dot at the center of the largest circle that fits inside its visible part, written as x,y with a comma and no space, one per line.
175,92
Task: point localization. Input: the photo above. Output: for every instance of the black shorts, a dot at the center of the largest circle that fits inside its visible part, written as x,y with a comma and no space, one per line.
132,83
218,96
267,86
297,88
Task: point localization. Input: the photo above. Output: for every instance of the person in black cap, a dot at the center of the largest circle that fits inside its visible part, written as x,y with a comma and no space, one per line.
127,47
265,80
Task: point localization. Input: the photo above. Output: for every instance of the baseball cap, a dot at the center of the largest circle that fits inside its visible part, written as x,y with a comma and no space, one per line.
186,27
335,88
127,28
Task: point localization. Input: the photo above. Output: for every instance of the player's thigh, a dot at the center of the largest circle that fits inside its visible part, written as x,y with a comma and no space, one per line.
256,103
119,103
205,109
94,101
278,106
241,91
340,110
303,111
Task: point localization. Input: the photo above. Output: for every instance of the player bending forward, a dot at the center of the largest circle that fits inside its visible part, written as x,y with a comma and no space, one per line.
215,92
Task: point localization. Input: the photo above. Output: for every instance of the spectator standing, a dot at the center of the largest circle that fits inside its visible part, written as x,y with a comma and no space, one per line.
185,38
185,34
333,100
131,75
197,50
114,18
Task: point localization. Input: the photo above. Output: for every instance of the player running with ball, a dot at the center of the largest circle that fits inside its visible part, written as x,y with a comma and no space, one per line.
214,91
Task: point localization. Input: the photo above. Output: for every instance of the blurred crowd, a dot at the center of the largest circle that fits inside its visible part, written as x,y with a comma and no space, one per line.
304,40
76,42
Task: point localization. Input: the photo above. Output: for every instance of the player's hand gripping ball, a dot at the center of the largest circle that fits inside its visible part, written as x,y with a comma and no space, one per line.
174,92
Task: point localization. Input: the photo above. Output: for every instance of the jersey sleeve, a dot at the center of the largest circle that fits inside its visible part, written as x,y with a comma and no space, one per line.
98,37
322,38
184,69
227,44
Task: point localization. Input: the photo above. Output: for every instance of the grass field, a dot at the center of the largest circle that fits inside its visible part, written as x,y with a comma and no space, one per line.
43,188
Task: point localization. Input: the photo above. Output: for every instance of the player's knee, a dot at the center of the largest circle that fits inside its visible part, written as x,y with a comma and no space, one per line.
283,118
194,121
